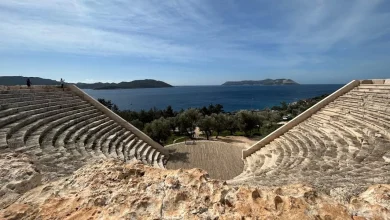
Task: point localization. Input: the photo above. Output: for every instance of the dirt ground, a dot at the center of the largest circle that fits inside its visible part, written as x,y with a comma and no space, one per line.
238,141
221,160
221,157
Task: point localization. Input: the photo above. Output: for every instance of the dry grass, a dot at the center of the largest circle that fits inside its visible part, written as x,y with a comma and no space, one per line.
220,160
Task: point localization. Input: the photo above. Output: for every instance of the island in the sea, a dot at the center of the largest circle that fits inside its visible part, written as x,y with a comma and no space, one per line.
264,82
136,84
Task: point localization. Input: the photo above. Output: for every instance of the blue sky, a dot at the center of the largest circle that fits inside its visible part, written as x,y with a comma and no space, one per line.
195,42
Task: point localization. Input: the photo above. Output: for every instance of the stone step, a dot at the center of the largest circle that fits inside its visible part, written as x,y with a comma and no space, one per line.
122,146
374,126
42,126
6,110
373,90
34,119
7,102
20,89
372,103
114,144
375,86
348,134
84,134
156,155
161,161
307,146
381,113
33,95
69,127
256,165
21,115
48,131
303,144
51,138
313,136
130,149
145,154
369,95
96,140
74,133
286,152
140,150
251,162
104,141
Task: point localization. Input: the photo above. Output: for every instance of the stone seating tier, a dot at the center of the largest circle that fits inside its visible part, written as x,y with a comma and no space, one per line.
63,130
345,143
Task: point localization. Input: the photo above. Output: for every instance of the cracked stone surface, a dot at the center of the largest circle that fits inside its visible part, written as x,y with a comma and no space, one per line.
109,189
18,174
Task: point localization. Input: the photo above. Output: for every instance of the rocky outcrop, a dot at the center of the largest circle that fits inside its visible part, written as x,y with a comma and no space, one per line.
18,174
114,190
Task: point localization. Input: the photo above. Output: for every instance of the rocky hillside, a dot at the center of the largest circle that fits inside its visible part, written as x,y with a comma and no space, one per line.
114,190
135,84
264,82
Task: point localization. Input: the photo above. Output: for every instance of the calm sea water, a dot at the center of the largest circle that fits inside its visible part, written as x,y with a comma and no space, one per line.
231,97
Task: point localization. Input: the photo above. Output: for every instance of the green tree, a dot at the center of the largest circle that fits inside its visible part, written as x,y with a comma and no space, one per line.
138,124
106,103
115,108
284,105
204,111
172,123
206,124
158,130
168,112
187,121
218,109
231,123
247,121
220,123
144,117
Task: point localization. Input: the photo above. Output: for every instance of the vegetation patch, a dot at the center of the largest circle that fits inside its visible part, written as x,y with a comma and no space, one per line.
165,126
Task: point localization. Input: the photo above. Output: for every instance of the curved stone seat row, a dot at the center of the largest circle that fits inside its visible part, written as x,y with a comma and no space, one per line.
62,131
346,142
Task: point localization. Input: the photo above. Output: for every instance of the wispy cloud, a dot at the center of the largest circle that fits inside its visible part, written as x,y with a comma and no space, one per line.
286,33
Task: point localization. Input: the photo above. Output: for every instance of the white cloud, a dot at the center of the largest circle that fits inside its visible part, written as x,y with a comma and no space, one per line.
284,34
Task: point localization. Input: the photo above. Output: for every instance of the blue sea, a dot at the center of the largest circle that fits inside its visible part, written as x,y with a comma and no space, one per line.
233,98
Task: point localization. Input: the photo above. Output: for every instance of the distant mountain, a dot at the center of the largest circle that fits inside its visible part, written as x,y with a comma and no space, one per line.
136,84
21,80
146,83
265,82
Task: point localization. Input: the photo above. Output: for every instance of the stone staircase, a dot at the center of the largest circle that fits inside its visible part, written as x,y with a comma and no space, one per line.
63,129
345,141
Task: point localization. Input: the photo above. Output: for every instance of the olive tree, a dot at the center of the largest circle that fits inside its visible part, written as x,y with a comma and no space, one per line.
206,124
231,123
219,123
187,121
158,130
247,121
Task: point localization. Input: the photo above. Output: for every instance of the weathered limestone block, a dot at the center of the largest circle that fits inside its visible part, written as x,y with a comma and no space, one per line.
114,190
18,174
378,81
366,81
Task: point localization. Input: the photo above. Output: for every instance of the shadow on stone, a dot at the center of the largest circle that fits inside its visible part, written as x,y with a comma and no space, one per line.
178,156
